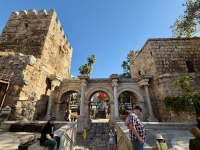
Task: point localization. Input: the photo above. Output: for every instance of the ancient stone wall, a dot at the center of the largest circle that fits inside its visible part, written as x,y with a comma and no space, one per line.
32,47
38,34
167,60
57,51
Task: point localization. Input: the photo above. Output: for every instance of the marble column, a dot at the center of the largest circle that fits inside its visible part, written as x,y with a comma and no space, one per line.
116,100
143,81
148,100
48,114
83,85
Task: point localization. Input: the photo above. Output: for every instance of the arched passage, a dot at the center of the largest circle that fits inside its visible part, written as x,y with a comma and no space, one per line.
136,99
61,107
88,97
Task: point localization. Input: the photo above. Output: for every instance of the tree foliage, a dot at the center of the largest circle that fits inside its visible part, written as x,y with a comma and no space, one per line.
188,23
126,67
189,101
87,68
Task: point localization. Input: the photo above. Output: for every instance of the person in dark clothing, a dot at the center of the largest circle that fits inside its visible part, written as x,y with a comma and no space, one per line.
74,118
47,136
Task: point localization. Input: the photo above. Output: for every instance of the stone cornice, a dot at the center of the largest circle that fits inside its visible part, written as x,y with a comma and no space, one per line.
83,77
99,80
72,80
127,80
143,80
114,76
144,76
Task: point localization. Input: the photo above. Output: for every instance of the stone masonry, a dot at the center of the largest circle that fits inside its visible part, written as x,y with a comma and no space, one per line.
32,47
167,59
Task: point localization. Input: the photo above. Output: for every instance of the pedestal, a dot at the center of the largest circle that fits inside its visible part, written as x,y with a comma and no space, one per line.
80,124
152,119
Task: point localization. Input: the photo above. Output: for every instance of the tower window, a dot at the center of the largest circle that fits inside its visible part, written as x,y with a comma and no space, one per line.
25,26
139,73
190,66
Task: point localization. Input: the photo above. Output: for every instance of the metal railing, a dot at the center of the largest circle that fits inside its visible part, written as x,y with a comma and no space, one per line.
121,137
70,140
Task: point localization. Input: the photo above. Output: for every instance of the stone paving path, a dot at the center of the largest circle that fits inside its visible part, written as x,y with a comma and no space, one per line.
97,138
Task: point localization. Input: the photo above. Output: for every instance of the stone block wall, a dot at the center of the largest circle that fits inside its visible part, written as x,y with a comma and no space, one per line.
32,47
166,60
38,34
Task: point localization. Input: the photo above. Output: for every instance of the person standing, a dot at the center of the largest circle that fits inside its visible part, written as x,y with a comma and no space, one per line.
47,136
137,131
111,139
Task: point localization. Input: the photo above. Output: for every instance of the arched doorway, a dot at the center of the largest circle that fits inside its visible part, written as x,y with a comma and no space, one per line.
102,108
127,99
66,106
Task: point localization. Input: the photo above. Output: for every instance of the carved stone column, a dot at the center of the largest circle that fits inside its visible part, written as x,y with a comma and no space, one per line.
116,99
143,81
82,117
55,81
83,85
87,114
114,79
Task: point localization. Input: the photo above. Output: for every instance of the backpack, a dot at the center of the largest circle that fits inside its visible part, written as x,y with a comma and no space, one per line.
128,121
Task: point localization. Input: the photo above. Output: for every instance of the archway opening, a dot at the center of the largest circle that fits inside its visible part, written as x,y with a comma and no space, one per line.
127,100
99,106
67,107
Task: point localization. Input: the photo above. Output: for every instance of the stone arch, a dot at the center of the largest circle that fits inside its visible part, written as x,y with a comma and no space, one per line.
137,93
69,89
106,90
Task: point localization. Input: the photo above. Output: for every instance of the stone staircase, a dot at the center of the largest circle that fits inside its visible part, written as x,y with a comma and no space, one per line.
97,138
101,114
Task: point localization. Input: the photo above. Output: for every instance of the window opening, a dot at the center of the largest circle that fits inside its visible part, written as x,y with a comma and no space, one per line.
190,66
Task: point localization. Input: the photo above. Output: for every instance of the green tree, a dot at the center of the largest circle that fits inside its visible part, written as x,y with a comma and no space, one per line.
188,23
87,68
126,67
188,101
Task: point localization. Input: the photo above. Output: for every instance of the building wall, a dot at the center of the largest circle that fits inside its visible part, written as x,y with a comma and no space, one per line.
165,59
33,46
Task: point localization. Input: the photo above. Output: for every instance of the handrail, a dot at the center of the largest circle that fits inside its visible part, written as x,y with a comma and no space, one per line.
69,139
119,139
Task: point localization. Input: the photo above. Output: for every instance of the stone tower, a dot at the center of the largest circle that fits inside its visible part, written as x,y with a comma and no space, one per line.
32,47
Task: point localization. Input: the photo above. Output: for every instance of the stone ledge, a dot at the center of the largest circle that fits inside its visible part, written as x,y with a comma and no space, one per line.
5,125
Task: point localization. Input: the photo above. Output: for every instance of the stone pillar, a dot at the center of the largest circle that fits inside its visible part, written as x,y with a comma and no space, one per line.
83,85
55,81
148,100
81,120
87,114
68,109
114,79
116,100
143,81
112,114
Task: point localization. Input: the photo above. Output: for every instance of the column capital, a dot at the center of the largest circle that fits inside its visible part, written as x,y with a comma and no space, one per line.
143,80
114,84
53,77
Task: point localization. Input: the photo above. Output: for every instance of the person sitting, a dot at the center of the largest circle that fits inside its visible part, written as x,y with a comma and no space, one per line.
160,143
47,136
194,144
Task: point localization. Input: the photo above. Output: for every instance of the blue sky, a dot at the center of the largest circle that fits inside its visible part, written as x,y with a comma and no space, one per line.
108,29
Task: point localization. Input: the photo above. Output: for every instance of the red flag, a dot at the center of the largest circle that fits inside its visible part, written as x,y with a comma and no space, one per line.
101,95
